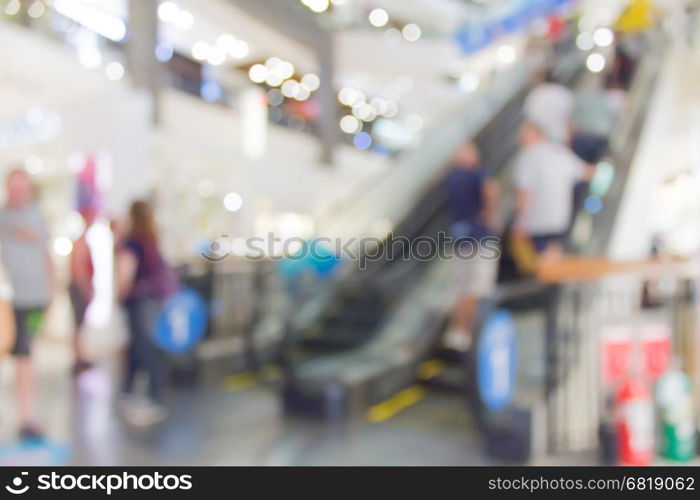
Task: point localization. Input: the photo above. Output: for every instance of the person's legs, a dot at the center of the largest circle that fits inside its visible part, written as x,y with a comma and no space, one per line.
80,305
133,364
143,356
24,373
25,389
461,322
153,359
478,279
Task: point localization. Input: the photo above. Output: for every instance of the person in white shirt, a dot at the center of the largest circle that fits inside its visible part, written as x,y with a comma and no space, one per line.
549,105
545,175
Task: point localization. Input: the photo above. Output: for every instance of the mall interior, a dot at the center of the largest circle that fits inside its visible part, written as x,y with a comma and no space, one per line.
232,232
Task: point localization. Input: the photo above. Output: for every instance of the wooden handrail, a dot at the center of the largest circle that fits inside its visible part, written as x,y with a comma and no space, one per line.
566,268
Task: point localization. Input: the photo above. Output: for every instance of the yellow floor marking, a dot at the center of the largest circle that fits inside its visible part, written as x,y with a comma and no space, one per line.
387,409
246,380
240,381
269,373
430,369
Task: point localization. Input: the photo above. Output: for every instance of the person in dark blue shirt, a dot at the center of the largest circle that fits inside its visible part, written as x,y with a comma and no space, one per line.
470,197
472,205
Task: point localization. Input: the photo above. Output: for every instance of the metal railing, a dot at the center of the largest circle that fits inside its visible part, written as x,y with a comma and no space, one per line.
575,393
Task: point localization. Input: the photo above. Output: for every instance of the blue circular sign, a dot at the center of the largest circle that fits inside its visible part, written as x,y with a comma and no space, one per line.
182,322
497,361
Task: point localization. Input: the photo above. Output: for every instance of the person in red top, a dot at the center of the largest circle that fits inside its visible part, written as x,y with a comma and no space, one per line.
81,289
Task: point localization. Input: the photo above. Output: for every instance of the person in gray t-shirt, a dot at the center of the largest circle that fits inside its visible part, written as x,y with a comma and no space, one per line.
594,120
23,241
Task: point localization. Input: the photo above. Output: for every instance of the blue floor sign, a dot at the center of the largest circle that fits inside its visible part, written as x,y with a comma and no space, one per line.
34,453
497,361
182,322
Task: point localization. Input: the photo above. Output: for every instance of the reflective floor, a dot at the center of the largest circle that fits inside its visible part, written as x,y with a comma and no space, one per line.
232,422
216,426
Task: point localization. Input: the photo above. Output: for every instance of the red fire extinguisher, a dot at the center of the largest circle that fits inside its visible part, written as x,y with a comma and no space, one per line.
635,422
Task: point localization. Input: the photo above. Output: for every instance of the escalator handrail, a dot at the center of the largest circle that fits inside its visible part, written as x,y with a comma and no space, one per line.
411,164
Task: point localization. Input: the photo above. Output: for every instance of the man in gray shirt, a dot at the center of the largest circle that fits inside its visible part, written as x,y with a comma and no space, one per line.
23,240
594,119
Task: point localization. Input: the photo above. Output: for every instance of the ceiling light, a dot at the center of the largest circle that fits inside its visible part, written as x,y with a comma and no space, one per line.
595,63
286,69
89,56
303,94
167,12
200,50
258,73
233,202
469,82
311,81
378,18
411,32
273,79
290,88
13,7
350,125
36,10
584,41
92,18
506,54
273,62
114,70
603,37
317,5
184,20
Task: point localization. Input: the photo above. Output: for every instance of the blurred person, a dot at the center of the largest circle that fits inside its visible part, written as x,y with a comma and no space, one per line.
633,27
546,173
549,105
472,204
80,288
594,119
595,116
143,281
24,238
624,66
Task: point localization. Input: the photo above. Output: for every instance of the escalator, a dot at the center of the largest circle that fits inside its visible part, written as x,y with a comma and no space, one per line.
381,323
384,322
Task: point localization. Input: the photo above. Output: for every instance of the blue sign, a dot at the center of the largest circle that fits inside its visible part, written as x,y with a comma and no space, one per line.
34,453
497,361
473,37
313,258
182,322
